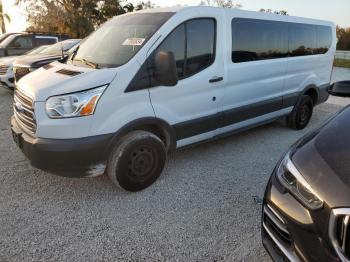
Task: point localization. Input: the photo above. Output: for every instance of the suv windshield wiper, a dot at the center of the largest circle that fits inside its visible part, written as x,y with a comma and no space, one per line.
86,62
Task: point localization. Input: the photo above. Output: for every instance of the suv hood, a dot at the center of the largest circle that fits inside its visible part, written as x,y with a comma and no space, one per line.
36,61
57,79
8,60
324,160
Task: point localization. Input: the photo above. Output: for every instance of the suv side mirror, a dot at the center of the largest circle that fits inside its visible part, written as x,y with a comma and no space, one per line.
165,68
340,89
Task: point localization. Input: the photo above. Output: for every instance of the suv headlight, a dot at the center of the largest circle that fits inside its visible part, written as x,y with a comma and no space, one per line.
295,183
75,104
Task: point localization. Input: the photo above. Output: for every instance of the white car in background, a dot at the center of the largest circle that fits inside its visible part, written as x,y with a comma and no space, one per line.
7,77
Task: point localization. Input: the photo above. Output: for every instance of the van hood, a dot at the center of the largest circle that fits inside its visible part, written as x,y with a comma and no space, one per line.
57,79
324,160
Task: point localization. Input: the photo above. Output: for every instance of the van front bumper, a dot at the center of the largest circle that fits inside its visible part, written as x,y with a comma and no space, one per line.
78,157
291,232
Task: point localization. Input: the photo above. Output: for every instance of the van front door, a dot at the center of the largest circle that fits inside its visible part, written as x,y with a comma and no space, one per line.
191,106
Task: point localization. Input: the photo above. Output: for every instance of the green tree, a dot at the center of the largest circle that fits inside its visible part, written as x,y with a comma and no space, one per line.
78,18
220,3
3,18
144,5
110,8
281,12
343,35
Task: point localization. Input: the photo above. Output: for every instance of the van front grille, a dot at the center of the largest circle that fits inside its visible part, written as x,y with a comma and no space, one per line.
3,69
339,231
23,108
20,72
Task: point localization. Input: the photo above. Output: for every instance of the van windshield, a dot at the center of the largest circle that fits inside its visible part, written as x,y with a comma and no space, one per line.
119,39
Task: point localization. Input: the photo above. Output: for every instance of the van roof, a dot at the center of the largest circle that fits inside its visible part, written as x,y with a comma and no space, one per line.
240,12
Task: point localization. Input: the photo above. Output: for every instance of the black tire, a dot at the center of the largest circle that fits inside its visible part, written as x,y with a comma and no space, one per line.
136,161
301,114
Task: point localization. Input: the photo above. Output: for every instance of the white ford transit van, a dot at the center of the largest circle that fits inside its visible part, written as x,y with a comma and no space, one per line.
149,82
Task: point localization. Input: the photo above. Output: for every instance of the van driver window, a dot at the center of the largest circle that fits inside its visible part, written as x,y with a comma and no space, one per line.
193,46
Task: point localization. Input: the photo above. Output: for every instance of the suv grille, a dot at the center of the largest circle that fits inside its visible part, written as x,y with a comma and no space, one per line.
339,232
275,223
3,69
24,111
20,72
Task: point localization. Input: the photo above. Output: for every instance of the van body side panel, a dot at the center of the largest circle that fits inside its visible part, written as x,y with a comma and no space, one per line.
117,108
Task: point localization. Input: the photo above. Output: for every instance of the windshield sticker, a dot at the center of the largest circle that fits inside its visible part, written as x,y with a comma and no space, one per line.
134,41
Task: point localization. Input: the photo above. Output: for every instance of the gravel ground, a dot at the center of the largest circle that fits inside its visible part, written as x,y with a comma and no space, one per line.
201,208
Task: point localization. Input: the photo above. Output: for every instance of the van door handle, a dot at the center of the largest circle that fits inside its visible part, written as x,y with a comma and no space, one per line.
216,79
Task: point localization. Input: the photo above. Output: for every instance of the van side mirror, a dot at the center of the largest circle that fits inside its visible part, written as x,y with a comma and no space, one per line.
165,69
340,89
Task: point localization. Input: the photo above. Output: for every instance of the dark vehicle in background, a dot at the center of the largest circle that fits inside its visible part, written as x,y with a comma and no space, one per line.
306,208
19,43
7,77
57,52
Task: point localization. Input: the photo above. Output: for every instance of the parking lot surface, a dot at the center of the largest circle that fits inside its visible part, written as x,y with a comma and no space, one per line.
202,208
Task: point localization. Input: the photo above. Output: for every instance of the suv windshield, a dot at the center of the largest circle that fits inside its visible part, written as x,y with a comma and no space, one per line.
8,39
4,36
36,50
57,48
119,39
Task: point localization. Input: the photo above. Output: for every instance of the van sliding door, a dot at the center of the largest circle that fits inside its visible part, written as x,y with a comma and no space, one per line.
256,72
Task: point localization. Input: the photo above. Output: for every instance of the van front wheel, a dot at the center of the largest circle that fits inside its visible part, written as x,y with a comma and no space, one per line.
301,114
136,161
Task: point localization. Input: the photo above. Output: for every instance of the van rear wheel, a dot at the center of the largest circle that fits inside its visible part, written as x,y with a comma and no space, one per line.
301,114
136,161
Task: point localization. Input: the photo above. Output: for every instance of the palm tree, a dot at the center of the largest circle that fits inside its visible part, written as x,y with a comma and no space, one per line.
3,17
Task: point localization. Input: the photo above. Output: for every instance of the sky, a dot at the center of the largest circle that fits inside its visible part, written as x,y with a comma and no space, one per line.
333,10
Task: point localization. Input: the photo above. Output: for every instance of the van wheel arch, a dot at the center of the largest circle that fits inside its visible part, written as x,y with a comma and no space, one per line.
154,125
311,91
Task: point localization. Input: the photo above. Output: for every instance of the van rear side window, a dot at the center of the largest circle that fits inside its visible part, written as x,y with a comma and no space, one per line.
258,40
302,39
254,39
324,39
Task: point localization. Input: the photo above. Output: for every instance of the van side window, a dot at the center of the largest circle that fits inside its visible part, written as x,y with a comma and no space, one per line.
175,43
193,45
302,39
258,40
200,45
324,39
254,39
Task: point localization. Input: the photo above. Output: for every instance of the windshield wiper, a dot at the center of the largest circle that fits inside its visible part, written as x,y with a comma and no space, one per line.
88,63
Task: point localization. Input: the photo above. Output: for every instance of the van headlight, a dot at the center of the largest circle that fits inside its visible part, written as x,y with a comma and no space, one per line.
294,182
75,104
